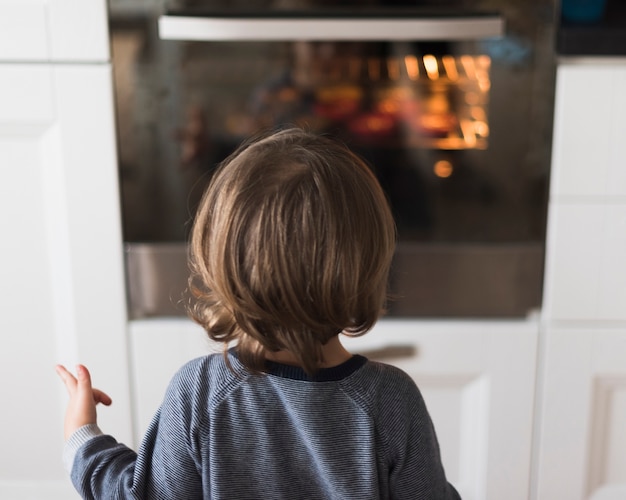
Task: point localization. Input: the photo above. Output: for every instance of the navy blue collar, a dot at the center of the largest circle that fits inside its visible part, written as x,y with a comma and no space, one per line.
331,374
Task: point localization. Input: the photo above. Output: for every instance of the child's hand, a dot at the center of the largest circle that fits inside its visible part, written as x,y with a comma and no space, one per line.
81,409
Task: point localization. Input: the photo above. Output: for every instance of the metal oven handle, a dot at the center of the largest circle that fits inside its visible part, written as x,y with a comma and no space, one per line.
445,28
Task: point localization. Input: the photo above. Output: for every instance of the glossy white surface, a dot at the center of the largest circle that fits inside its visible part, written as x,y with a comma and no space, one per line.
27,98
586,264
590,123
54,30
582,435
582,380
62,282
23,31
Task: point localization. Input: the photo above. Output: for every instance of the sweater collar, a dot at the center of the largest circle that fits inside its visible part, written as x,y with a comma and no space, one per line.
331,374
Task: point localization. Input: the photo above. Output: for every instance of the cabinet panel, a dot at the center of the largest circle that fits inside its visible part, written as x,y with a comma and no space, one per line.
582,448
85,225
78,30
477,379
585,272
590,123
23,30
24,275
27,97
54,30
61,272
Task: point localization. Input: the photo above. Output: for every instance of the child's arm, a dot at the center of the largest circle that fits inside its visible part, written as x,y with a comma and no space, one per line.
100,467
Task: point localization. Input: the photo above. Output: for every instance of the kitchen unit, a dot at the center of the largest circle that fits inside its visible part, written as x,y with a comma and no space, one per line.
583,344
503,436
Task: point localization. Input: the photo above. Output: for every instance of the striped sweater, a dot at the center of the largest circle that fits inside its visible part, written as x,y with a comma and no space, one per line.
358,431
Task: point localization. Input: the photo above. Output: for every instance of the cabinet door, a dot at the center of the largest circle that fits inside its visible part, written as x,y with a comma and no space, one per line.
583,387
586,240
477,379
582,448
589,125
53,30
61,266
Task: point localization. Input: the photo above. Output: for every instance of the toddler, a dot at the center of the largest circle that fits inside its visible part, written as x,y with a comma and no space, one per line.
291,247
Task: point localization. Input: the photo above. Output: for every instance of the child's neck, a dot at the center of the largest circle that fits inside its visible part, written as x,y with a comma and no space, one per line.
333,353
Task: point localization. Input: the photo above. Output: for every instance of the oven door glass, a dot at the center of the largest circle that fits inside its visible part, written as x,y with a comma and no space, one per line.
457,131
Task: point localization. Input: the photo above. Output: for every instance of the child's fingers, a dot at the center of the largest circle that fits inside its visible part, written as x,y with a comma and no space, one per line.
82,384
83,377
68,379
85,392
101,397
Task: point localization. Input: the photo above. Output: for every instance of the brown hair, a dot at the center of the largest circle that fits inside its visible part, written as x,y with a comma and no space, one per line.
291,245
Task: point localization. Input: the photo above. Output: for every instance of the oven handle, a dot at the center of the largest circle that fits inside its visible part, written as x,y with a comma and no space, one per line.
273,29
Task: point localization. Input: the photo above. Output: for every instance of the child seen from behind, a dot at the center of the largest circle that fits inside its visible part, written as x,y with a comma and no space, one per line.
291,247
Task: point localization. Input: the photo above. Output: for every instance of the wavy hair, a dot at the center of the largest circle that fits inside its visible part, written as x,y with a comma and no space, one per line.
291,245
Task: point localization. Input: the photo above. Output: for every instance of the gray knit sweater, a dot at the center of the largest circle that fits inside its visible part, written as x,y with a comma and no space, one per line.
356,431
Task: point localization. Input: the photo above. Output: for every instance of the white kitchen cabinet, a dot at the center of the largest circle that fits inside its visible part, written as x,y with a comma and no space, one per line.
54,30
478,380
61,267
583,436
585,263
61,271
589,150
581,445
585,269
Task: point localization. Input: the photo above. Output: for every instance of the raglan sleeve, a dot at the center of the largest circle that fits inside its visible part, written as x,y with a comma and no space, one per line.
103,468
416,470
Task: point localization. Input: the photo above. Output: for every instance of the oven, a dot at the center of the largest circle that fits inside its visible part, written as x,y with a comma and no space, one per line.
450,103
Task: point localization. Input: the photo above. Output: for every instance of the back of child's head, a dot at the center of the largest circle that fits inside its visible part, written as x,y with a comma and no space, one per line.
291,245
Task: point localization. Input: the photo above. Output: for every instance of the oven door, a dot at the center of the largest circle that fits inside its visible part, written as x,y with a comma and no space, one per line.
452,109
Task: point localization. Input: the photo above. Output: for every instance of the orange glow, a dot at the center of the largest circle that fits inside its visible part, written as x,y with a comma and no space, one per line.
469,133
472,98
450,67
484,84
412,67
483,62
393,69
481,128
432,69
478,114
469,66
443,169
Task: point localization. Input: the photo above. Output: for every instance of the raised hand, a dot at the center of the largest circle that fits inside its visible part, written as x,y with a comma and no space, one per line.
81,408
